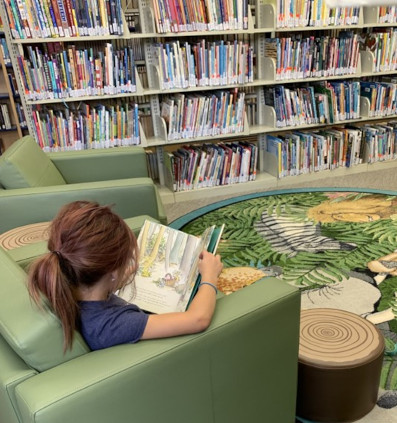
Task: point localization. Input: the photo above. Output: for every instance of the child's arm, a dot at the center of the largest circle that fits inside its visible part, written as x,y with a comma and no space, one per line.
199,314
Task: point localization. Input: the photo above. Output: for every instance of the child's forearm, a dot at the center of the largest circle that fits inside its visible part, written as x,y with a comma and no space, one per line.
203,306
196,319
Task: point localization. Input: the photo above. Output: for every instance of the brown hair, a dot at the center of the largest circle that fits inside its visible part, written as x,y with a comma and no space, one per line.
86,242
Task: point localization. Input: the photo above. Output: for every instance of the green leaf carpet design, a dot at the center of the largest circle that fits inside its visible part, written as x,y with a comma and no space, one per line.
362,224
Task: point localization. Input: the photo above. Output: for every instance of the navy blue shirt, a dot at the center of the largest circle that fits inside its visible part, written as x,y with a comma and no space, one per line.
111,322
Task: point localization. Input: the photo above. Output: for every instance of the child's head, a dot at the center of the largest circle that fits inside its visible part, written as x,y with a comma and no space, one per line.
87,241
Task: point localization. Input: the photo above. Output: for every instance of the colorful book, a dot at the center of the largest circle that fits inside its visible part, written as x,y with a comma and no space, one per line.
168,276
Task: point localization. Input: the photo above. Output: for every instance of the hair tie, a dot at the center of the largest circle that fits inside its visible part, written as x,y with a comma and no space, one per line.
58,253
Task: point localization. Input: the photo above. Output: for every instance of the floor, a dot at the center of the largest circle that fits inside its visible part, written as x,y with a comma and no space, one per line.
382,180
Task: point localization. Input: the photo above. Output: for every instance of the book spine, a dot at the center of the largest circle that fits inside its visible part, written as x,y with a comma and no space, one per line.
17,19
57,16
71,18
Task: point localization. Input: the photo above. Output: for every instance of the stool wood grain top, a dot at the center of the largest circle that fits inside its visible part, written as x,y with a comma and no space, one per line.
331,338
24,235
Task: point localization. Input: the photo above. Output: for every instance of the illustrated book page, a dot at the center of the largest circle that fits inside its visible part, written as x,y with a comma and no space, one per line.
168,268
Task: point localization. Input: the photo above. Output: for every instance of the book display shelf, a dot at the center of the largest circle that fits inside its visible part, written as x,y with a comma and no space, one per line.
225,95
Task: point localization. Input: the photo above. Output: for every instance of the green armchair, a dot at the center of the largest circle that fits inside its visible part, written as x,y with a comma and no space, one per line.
34,184
243,368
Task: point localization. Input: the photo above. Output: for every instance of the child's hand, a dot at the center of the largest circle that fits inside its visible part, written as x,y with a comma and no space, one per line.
210,266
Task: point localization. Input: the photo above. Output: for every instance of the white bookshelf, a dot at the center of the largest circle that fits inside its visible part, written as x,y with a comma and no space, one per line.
261,24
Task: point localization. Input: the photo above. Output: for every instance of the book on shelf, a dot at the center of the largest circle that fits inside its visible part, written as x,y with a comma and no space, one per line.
380,141
168,277
251,108
195,115
63,18
292,13
13,84
299,152
5,51
58,71
210,165
5,122
204,63
382,43
83,126
200,15
299,57
153,168
21,114
295,105
387,14
382,97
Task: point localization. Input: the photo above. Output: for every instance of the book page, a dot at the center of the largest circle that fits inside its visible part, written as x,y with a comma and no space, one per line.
168,261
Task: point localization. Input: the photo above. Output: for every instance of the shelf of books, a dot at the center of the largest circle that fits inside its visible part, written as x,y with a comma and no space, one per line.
225,95
12,118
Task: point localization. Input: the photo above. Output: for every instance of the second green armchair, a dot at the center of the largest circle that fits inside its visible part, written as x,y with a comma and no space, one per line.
36,184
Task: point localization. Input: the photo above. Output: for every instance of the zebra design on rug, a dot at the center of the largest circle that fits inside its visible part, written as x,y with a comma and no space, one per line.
290,237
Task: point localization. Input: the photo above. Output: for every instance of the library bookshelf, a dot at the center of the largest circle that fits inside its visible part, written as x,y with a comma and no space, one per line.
11,119
261,22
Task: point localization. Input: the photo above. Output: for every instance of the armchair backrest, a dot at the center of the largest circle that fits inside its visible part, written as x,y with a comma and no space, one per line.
34,334
24,164
104,164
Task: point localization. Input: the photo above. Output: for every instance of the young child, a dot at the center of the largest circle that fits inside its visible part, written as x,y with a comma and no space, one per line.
92,254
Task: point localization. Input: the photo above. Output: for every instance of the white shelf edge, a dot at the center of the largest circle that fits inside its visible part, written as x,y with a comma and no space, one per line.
264,181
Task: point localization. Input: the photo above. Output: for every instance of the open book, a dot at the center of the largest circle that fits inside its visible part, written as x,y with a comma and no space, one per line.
168,277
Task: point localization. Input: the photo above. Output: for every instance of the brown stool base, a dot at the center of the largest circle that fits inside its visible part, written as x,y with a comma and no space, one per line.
340,361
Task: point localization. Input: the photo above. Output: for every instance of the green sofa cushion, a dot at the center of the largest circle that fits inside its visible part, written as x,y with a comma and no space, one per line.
35,335
24,164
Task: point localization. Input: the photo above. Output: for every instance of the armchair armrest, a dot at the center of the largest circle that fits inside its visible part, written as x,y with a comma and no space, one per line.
242,368
131,197
101,164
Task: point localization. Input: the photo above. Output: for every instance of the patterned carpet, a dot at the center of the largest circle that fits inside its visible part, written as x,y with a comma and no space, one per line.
339,247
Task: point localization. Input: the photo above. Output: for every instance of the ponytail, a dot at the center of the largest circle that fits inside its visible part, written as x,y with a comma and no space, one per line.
47,278
86,242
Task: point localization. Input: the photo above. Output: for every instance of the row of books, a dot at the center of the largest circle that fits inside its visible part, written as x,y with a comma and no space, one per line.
71,72
87,126
297,152
5,121
204,63
209,165
294,13
387,14
382,97
383,44
328,102
300,57
64,18
381,141
190,116
305,152
200,15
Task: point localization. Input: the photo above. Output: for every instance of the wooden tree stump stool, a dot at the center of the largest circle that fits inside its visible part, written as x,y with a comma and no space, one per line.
24,235
340,362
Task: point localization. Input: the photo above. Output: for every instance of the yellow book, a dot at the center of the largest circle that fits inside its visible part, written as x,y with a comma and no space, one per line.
313,15
104,18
